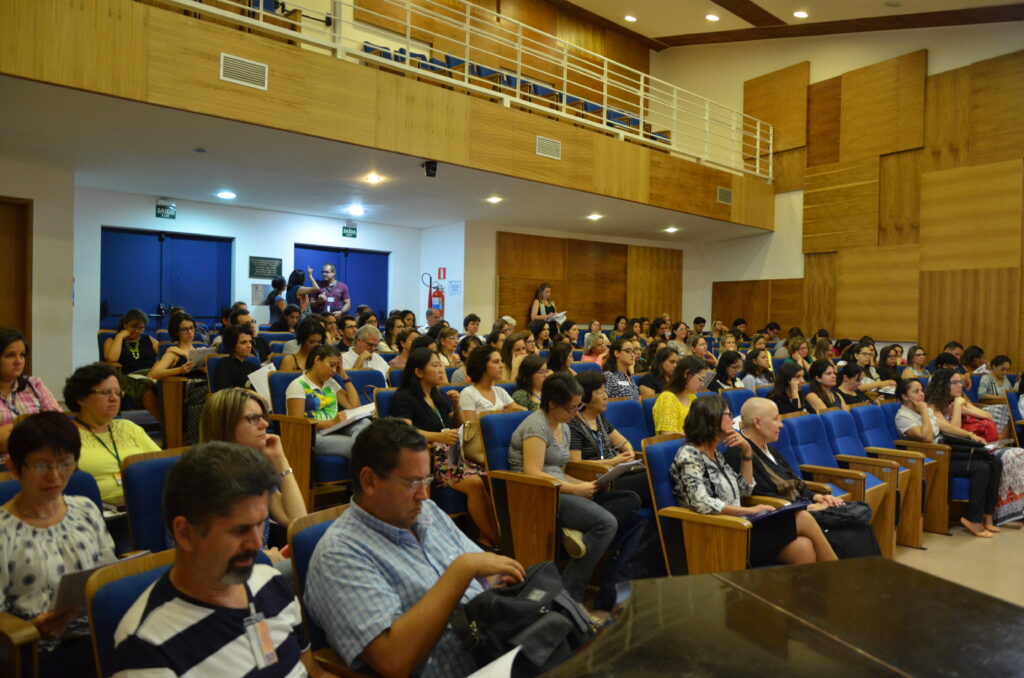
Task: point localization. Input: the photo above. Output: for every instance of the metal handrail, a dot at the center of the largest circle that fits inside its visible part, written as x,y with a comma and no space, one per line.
509,61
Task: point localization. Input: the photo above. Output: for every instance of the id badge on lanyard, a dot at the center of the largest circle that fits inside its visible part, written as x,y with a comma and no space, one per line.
258,634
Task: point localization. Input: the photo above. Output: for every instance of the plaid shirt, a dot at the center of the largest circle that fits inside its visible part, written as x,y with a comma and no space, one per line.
35,397
365,574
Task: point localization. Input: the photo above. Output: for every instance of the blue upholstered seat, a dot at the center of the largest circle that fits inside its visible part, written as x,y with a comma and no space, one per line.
143,494
627,416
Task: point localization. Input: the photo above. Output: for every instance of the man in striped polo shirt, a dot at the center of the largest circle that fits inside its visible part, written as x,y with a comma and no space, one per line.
216,612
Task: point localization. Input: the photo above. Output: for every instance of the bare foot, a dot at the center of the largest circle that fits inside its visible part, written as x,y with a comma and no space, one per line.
976,529
991,527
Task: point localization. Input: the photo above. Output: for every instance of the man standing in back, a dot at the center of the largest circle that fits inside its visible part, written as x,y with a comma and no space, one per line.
334,297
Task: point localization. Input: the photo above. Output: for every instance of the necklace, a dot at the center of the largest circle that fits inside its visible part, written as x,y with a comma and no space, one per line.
133,349
34,516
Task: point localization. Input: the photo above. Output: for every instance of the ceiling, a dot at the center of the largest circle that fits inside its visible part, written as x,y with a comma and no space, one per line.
151,150
678,22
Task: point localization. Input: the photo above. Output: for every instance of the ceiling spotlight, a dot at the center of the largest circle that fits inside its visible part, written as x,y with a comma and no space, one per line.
373,178
595,216
226,195
800,14
671,229
355,210
630,18
495,199
711,17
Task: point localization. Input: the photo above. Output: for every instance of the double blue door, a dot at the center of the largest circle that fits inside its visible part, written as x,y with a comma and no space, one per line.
365,273
154,271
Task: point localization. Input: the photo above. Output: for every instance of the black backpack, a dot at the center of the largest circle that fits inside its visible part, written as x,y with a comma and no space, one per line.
636,555
538,614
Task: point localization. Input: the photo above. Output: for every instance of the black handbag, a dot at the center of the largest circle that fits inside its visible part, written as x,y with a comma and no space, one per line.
537,613
850,514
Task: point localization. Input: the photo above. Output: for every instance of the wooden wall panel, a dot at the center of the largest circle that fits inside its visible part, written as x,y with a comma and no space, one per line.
786,302
530,256
534,13
877,292
654,282
747,299
997,109
899,198
819,292
515,296
753,202
588,289
687,186
972,307
621,170
883,107
780,98
626,50
823,109
971,217
841,206
440,128
947,117
788,168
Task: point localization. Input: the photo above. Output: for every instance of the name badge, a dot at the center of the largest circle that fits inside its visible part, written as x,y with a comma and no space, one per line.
330,300
623,383
260,642
118,480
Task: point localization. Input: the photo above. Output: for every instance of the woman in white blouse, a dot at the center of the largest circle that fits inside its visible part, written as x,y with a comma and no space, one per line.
485,369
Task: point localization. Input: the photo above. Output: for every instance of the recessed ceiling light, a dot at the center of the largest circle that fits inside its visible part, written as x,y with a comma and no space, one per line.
595,216
711,17
800,14
226,195
373,178
355,210
495,199
630,18
671,229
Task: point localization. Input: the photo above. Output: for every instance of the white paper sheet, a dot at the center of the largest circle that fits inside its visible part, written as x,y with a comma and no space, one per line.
500,667
616,471
351,416
260,380
199,355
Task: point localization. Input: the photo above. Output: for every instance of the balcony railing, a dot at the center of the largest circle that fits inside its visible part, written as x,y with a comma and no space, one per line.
456,43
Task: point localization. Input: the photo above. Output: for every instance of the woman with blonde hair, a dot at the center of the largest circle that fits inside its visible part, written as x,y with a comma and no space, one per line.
822,350
447,347
595,348
799,348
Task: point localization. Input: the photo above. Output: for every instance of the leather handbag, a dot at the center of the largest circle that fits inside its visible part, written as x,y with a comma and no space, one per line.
473,443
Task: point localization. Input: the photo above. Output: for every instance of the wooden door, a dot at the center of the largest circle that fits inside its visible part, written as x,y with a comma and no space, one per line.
16,264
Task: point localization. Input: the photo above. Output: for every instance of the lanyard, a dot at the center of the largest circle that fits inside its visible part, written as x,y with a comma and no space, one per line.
110,430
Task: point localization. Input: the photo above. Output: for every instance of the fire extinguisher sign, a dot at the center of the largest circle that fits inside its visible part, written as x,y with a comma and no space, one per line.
442,273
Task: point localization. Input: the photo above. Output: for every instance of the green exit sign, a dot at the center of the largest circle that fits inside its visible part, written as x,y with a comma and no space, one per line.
348,231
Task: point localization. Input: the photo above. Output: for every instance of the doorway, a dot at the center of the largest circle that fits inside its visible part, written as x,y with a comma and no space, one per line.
365,273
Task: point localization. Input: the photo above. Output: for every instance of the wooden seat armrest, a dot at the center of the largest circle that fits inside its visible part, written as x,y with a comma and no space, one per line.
16,632
992,400
853,482
818,488
329,661
755,499
718,520
867,461
517,477
586,469
288,419
884,452
831,471
924,448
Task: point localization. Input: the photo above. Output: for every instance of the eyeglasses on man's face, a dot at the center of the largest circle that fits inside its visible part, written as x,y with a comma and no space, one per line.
412,485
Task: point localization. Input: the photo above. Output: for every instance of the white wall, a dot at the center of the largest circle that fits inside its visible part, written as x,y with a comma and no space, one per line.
718,71
443,247
255,233
51,191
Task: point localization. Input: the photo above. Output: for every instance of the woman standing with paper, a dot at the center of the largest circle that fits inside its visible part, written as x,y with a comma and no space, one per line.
543,308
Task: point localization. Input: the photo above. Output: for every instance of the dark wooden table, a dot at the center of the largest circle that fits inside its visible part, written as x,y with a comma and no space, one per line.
859,617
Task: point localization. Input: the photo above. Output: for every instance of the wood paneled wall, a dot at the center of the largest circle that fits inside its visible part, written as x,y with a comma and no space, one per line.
586,277
780,98
758,301
819,292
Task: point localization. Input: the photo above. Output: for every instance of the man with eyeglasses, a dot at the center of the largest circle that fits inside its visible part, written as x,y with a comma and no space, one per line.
363,354
387,575
334,297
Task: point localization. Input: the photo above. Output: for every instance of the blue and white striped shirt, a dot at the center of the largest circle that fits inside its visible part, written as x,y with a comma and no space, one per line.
365,574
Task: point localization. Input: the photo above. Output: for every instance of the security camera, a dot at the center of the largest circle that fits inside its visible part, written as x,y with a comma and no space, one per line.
430,168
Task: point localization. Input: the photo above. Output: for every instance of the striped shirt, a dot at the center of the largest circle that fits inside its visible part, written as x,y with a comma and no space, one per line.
365,574
167,633
33,398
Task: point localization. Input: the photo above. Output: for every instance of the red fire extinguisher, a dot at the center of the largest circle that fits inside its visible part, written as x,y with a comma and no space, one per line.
435,298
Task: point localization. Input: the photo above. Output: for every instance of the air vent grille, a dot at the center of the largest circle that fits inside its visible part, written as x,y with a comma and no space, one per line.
549,148
724,195
243,71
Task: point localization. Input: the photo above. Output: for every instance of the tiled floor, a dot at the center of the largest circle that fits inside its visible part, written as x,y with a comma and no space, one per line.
992,566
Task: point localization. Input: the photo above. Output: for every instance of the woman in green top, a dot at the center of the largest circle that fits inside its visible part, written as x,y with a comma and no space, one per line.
94,393
532,373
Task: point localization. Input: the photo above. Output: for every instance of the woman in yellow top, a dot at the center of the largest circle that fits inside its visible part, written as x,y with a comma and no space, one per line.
93,393
672,406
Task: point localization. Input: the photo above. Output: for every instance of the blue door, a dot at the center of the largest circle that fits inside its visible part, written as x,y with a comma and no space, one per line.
365,273
153,271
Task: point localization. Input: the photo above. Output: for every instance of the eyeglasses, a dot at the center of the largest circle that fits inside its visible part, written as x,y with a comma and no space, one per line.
412,485
63,467
108,392
571,409
186,329
253,419
631,351
372,345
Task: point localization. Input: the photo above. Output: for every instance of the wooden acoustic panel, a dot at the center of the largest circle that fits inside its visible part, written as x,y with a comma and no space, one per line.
626,50
530,256
621,170
823,124
788,169
747,299
877,292
515,296
654,282
972,306
819,292
16,273
753,202
899,198
997,109
678,184
971,217
841,206
786,301
883,107
593,280
947,117
780,98
439,129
